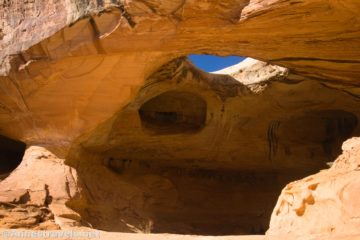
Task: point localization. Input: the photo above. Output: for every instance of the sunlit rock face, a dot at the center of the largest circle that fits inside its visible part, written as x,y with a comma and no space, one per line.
33,196
315,204
103,86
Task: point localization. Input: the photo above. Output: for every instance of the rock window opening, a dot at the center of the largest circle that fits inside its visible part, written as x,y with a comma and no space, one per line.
211,63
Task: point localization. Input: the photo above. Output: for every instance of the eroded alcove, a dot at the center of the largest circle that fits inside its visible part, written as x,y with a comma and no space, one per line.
326,128
173,112
12,152
256,136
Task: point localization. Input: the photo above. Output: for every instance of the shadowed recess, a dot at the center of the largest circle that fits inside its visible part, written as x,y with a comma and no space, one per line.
12,152
173,112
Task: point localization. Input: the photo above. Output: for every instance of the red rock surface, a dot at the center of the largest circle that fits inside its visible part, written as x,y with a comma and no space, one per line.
41,185
77,80
326,202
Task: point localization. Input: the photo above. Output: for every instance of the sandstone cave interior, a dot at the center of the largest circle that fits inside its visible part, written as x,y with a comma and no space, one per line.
112,121
191,155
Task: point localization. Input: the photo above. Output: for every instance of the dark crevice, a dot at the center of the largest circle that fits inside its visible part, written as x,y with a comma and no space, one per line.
12,152
126,15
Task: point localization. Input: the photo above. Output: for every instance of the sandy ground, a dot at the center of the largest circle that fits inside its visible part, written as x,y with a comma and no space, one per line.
73,234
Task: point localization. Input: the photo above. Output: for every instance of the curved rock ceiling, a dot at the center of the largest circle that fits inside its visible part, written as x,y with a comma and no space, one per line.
316,40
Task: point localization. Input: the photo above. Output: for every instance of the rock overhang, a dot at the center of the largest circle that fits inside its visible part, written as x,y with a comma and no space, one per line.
93,72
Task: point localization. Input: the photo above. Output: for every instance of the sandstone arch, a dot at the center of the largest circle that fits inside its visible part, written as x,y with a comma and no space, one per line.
94,62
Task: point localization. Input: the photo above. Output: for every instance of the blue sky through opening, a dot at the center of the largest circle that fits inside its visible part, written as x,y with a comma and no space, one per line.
211,63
